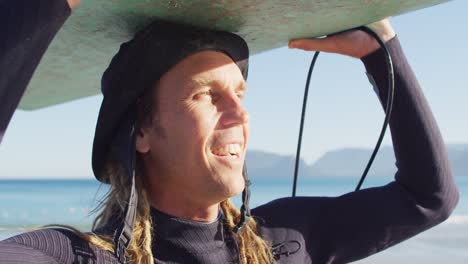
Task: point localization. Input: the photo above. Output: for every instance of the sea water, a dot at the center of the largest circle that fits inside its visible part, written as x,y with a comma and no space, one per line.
28,204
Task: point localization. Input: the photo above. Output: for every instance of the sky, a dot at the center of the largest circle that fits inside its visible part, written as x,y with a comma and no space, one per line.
343,111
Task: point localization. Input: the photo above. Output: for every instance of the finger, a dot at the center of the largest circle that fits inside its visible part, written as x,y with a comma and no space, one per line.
73,3
322,44
383,28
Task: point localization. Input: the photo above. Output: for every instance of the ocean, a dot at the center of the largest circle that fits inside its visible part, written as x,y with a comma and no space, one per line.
28,204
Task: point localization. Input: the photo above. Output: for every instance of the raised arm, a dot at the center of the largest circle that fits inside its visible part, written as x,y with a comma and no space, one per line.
26,29
358,224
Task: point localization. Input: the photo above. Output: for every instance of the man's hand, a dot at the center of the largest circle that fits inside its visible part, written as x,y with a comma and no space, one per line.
355,43
73,3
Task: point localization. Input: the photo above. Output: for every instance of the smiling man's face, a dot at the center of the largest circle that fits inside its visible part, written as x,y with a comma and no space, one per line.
196,145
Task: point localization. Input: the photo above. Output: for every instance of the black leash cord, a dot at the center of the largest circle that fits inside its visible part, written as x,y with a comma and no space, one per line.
389,105
388,110
301,127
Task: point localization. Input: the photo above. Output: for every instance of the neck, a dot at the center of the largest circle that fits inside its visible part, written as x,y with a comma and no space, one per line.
185,208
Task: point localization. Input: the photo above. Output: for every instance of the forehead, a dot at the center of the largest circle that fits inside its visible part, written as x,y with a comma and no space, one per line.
207,67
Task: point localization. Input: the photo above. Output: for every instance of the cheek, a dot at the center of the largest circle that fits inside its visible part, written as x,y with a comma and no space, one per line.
202,128
246,132
202,118
193,127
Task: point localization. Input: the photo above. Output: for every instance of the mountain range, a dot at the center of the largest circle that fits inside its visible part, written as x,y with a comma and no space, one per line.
346,162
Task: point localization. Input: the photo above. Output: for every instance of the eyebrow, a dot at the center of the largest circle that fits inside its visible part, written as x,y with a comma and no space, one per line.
197,83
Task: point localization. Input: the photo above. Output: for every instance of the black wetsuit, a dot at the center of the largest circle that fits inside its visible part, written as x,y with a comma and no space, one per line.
312,229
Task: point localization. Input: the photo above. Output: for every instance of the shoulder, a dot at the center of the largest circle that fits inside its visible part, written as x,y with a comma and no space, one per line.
54,246
13,253
291,209
289,217
289,224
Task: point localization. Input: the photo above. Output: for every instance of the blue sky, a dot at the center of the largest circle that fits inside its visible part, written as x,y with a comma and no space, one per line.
343,110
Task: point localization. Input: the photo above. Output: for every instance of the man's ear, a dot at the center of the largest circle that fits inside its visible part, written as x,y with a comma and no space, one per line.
142,141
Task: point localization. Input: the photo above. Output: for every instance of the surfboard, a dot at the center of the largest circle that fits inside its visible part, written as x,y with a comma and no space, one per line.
72,66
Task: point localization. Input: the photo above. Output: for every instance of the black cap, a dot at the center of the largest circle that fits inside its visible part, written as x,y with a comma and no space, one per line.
137,66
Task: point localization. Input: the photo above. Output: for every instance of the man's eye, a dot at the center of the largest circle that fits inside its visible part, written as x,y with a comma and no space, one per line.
203,93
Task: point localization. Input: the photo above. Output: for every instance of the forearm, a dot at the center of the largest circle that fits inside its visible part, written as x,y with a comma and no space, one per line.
26,28
423,167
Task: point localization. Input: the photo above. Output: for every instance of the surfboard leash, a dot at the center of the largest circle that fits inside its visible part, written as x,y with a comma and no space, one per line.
301,127
389,104
388,109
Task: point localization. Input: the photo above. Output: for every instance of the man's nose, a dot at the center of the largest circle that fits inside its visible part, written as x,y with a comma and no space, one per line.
234,112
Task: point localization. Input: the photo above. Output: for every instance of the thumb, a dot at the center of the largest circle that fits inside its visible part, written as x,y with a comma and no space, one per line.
73,3
314,44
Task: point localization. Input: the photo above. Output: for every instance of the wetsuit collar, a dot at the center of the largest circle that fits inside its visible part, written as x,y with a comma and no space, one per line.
192,241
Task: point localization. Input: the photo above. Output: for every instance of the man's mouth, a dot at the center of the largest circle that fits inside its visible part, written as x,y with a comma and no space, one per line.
232,150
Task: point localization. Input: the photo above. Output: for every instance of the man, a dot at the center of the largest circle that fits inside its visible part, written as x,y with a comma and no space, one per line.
171,140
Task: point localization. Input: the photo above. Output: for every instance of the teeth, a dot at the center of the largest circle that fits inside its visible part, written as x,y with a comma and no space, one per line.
233,149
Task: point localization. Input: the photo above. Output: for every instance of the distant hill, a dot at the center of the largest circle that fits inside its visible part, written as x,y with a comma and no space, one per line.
346,162
350,162
268,165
